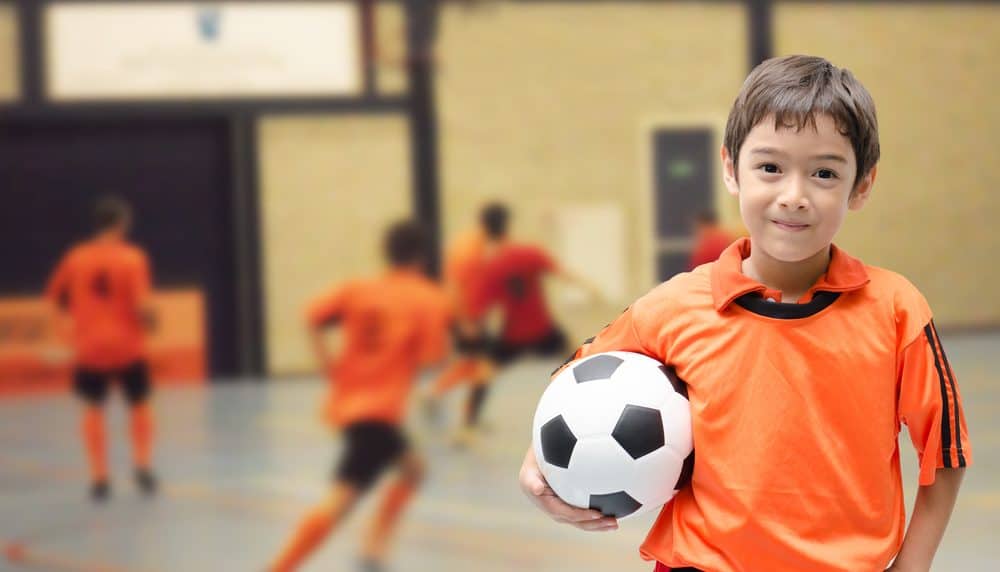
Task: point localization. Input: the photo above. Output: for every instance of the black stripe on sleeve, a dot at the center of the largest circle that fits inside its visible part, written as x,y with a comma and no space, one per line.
954,395
572,356
945,414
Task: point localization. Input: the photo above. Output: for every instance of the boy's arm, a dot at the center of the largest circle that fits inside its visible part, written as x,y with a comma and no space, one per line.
931,512
930,405
318,340
323,314
57,298
534,486
592,290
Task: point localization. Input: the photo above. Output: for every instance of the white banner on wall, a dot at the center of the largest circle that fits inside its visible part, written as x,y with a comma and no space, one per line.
592,245
170,50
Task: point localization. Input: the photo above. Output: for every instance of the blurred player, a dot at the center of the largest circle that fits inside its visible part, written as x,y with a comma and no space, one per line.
511,278
101,288
710,239
465,261
393,325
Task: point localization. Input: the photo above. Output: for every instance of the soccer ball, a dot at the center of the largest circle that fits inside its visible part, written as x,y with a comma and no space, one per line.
613,433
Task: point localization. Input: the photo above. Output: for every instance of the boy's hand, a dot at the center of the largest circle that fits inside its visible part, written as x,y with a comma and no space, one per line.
533,484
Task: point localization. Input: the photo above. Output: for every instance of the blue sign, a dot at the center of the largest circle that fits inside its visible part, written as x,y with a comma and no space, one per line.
209,23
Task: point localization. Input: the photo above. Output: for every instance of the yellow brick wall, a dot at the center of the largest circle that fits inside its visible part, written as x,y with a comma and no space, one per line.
329,187
932,71
9,54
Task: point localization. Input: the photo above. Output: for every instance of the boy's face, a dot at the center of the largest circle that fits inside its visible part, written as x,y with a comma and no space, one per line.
794,187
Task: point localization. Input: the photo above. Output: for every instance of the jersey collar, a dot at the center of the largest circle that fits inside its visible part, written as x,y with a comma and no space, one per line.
844,274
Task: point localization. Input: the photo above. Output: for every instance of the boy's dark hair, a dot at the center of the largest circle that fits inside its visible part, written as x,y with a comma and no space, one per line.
494,218
794,89
110,212
406,243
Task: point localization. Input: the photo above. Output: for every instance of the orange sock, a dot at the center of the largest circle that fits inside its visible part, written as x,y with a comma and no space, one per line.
311,531
395,500
142,435
92,431
460,370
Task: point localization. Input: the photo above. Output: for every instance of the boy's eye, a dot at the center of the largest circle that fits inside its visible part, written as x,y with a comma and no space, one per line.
769,168
826,174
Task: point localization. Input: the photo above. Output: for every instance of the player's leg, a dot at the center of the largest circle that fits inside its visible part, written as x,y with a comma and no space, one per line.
92,387
478,391
318,522
394,500
497,354
136,383
367,453
468,343
458,371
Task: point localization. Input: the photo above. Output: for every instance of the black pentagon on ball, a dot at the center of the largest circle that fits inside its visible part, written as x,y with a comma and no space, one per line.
597,367
679,384
618,504
639,430
557,442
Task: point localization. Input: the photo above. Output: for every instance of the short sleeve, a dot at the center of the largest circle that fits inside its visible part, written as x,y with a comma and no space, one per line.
629,332
930,405
329,308
57,289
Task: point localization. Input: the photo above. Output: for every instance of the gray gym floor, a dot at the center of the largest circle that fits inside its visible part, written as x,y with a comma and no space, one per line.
239,462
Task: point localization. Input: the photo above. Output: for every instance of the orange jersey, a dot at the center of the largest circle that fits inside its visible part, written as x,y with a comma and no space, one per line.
796,410
464,263
392,325
102,284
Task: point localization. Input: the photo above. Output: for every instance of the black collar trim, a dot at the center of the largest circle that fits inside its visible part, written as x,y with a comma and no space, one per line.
754,302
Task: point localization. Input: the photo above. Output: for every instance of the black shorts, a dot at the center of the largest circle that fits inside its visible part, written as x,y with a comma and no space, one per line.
471,345
551,344
370,448
92,384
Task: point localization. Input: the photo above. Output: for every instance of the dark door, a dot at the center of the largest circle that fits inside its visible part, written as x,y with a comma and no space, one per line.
682,160
175,173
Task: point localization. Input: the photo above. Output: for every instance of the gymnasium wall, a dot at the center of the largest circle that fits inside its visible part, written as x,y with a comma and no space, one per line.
548,106
9,62
933,213
329,186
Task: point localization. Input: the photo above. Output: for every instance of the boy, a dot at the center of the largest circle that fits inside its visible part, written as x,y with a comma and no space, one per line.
103,285
512,279
464,263
801,362
393,325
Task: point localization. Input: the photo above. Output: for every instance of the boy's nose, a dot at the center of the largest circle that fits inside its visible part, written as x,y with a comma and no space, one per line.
793,197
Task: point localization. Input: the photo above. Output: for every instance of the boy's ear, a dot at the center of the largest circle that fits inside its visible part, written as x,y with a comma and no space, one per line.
863,190
729,172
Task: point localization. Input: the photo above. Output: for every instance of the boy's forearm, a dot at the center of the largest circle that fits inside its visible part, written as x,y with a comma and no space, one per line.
931,512
319,348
